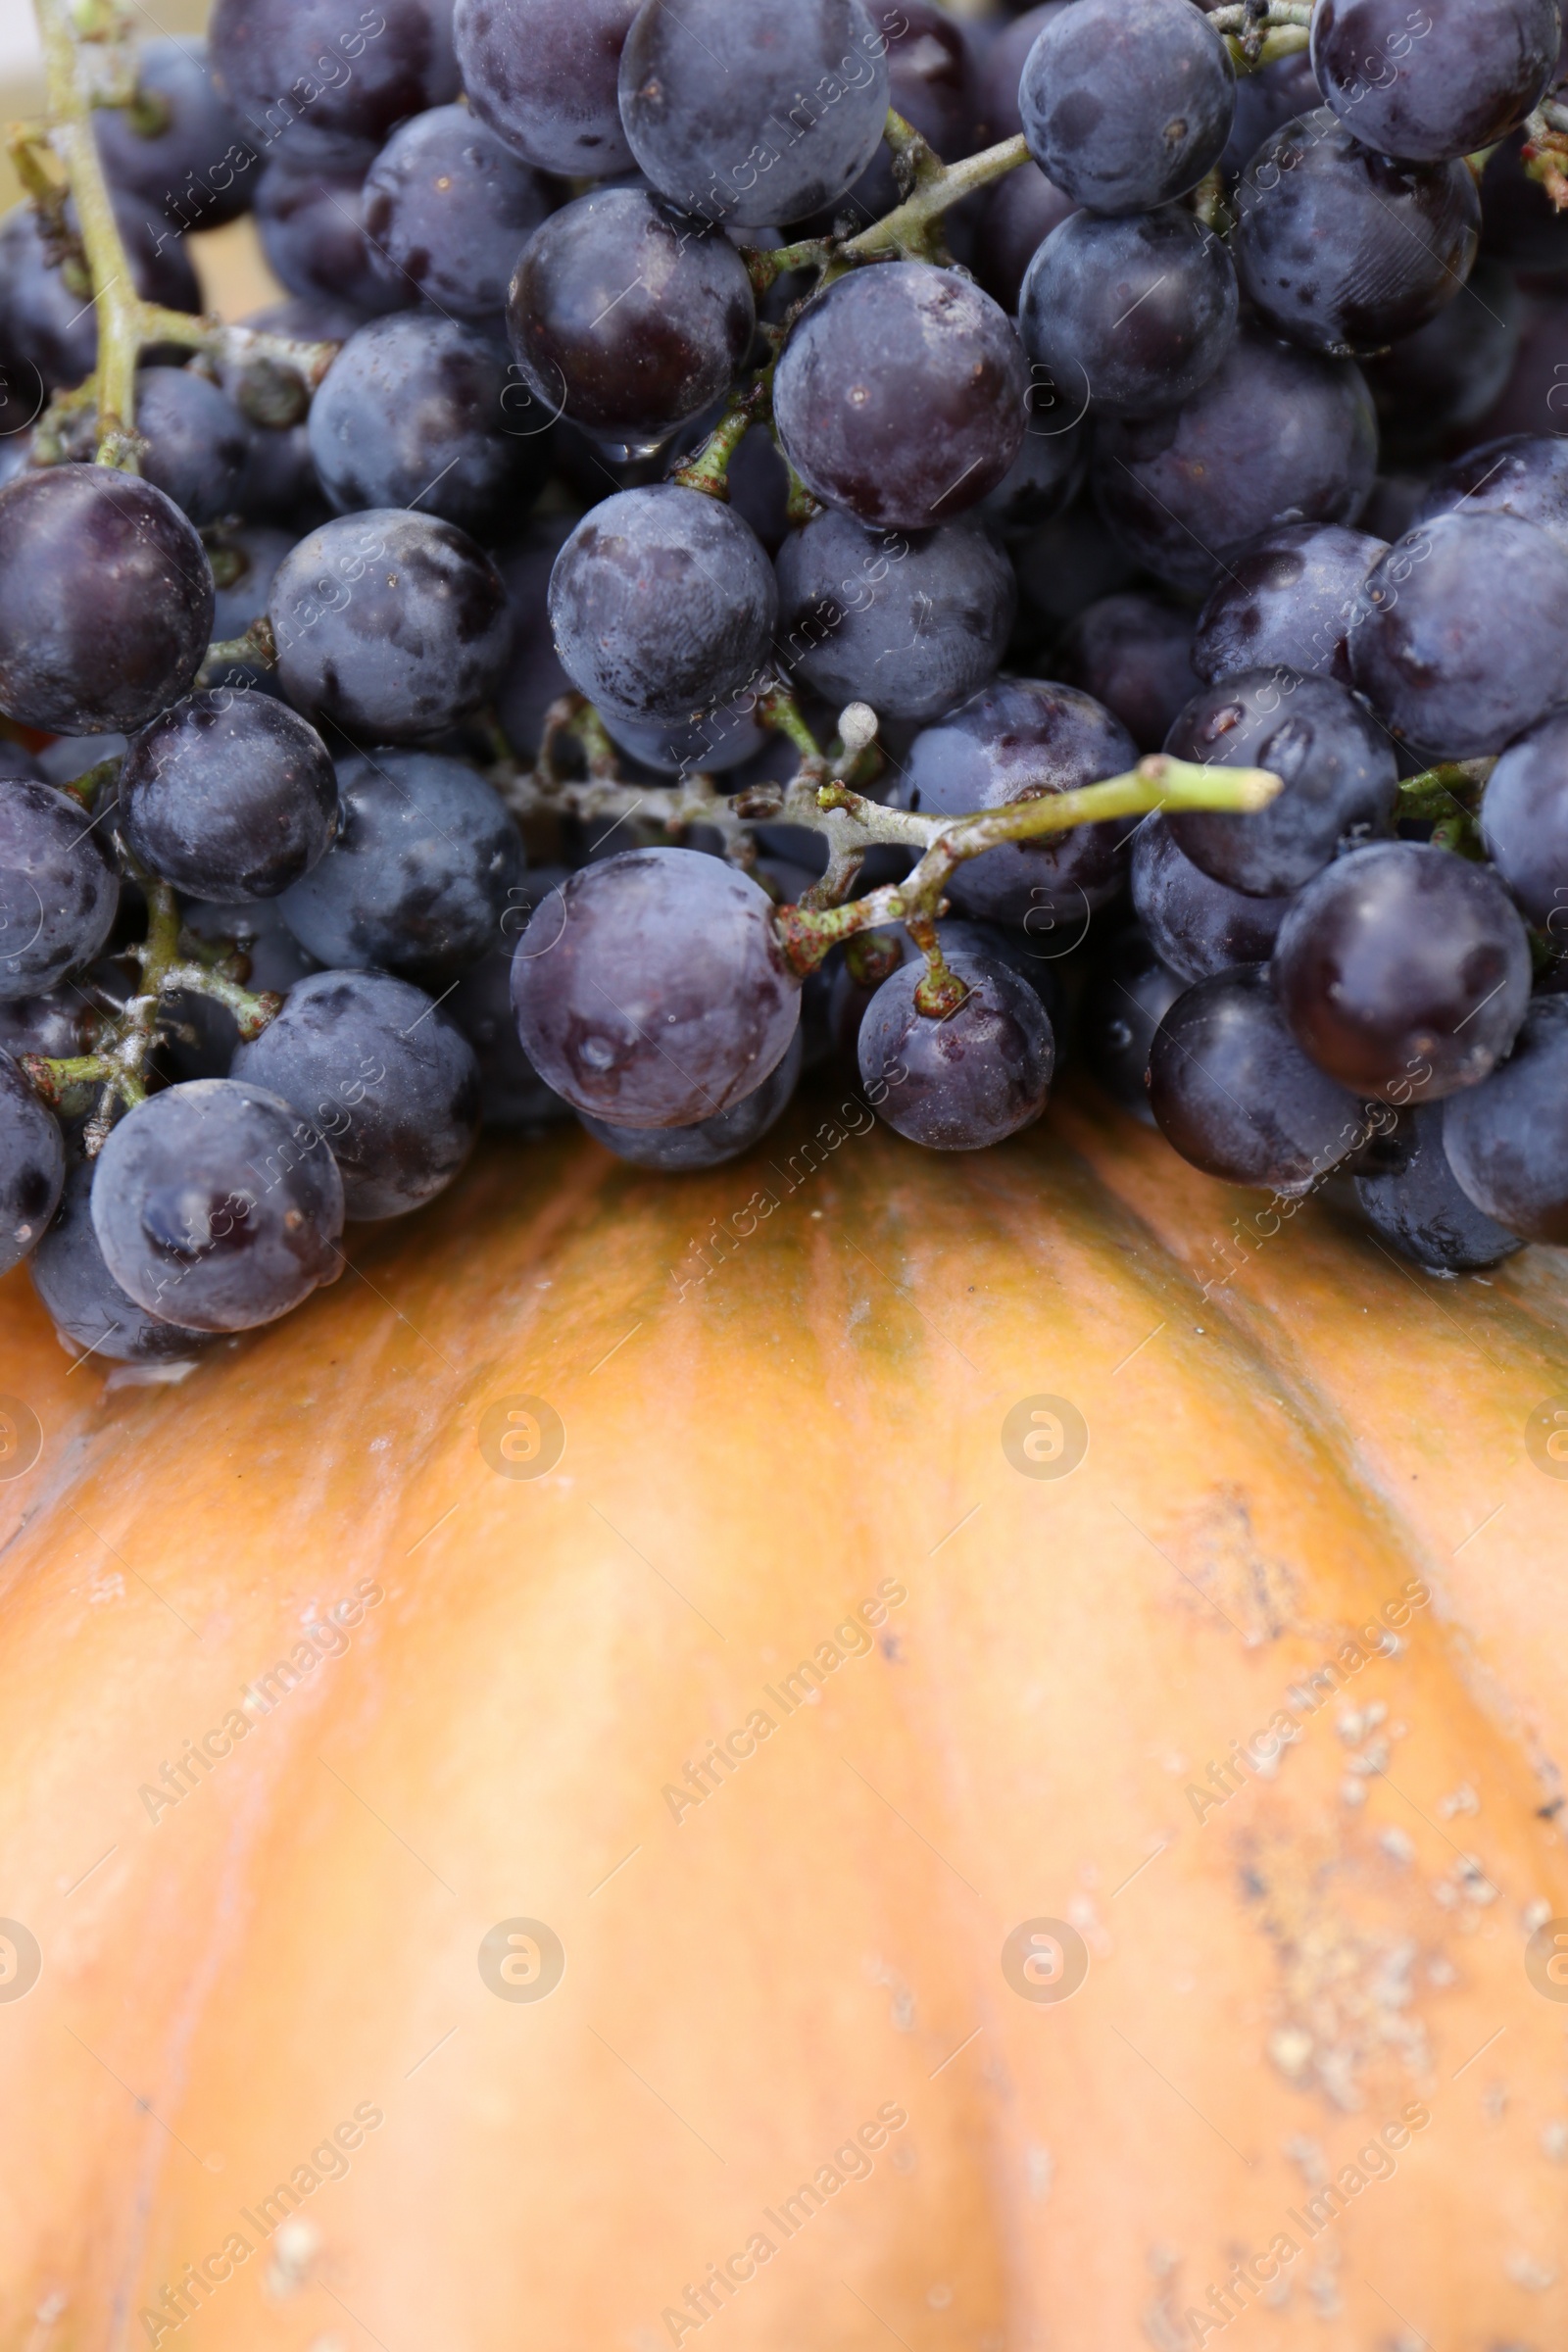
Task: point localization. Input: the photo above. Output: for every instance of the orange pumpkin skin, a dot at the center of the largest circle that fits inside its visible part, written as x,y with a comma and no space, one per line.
750,1453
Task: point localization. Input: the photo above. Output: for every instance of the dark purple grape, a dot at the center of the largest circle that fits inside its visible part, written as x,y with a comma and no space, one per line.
1045,475
411,415
1524,822
654,989
1410,1196
1342,250
757,115
393,625
229,795
883,347
1129,314
58,1024
1233,1091
69,757
911,624
1404,972
201,1035
48,335
244,564
199,168
1196,925
197,441
1460,637
1441,381
724,739
931,85
1134,655
425,866
968,1080
1129,994
216,1207
32,1166
1066,564
513,1096
329,77
1017,739
1002,70
278,484
1525,475
1429,84
308,318
1277,435
533,677
1506,1140
1019,216
1390,511
1535,398
1286,601
449,207
1127,103
1264,101
1338,769
706,1143
311,220
89,1310
759,487
1519,223
663,603
106,600
628,317
379,1069
542,74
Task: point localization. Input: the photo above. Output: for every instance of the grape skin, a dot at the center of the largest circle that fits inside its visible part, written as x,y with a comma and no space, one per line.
532,678
195,170
1127,103
1197,927
971,1079
391,625
1129,994
327,80
1020,214
512,1096
1461,82
653,991
543,74
57,891
48,335
1507,1138
879,347
1136,657
84,1300
229,795
1441,381
380,1071
1286,601
1138,313
448,208
198,442
1524,822
1235,1095
1411,1197
32,1166
213,1204
912,624
311,220
1522,475
708,1143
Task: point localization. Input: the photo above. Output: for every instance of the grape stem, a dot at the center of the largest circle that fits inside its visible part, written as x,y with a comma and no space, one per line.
255,649
127,325
1258,32
903,231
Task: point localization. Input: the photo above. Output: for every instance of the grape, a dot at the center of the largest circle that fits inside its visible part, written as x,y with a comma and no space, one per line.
309,317
449,207
1068,564
244,565
1506,1140
1136,657
391,625
424,867
1264,101
1196,925
197,441
1460,636
229,795
884,346
1233,1091
970,1079
278,484
1022,738
1432,84
217,1205
32,1166
196,171
910,624
88,1308
512,1094
662,601
654,989
542,74
1524,822
48,332
1129,995
201,1035
1525,475
627,316
1018,215
930,84
1342,250
412,414
106,600
56,1025
1286,601
759,487
533,677
1127,103
1043,479
726,739
311,226
1444,378
1131,314
1003,67
329,77
755,115
708,1143
1410,1196
1338,769
1277,435
1404,972
381,1072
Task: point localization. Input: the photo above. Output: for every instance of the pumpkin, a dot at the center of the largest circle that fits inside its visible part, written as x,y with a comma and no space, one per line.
831,1752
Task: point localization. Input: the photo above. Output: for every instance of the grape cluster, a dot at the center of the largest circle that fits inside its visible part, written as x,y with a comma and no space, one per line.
673,635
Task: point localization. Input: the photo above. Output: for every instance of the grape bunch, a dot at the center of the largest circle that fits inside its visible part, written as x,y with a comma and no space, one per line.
789,534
